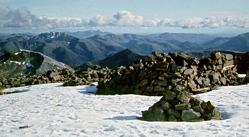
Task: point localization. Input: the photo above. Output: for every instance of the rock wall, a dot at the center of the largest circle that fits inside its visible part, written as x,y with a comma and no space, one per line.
161,72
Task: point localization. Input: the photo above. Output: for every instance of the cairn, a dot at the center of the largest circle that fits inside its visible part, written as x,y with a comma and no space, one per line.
178,105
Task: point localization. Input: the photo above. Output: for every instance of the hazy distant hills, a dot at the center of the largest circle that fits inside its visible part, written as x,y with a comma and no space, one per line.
76,48
25,63
238,43
122,58
59,46
183,37
87,34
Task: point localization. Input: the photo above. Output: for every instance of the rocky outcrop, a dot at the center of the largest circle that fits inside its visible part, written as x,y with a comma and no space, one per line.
161,72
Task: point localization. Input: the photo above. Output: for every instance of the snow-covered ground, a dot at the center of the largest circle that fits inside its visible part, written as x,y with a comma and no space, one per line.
51,110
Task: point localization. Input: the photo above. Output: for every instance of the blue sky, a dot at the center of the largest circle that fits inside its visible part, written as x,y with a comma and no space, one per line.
221,16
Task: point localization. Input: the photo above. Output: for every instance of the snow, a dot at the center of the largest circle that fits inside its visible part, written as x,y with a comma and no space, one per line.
51,110
16,62
53,35
29,65
242,75
17,53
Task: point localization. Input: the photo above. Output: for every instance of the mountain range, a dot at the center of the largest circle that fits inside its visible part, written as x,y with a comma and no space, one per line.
77,48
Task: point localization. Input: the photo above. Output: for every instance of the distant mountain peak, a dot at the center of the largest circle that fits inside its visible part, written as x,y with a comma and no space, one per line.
122,58
239,43
126,51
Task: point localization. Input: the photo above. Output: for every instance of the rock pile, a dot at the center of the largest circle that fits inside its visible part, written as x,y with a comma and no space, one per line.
180,106
87,77
161,72
50,76
66,76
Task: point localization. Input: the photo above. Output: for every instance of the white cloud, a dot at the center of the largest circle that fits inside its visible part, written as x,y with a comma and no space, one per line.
206,22
51,22
17,18
23,18
126,18
99,20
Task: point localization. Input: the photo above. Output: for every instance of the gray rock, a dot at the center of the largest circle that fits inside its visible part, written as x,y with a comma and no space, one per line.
229,56
192,84
143,83
169,95
194,101
159,89
188,72
198,109
216,77
223,81
155,114
206,82
183,97
199,81
162,83
182,106
190,115
165,105
172,112
216,55
216,114
172,118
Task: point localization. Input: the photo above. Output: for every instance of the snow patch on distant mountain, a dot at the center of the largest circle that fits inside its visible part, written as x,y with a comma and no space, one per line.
25,62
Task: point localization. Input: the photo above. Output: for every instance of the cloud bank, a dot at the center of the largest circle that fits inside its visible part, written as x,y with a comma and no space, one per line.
23,18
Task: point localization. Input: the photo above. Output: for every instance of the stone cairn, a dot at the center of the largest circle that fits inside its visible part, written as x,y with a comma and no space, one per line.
175,77
180,106
66,76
